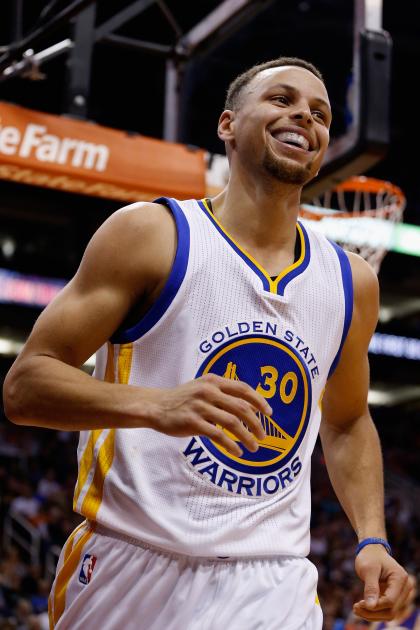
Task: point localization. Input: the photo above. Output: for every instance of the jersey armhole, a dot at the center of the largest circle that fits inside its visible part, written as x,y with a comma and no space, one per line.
173,283
347,278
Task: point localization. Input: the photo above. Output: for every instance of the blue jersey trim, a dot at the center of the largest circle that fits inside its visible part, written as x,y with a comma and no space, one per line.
293,273
276,285
173,283
348,299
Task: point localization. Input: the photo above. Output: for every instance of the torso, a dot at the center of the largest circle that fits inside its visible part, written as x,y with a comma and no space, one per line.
220,312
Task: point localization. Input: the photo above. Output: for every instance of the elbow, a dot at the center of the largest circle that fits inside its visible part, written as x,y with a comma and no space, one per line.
13,402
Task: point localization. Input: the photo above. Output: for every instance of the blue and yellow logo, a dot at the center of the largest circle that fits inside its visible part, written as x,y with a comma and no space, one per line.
275,370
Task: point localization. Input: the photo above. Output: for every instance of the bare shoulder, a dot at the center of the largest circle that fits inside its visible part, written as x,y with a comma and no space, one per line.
143,215
138,240
129,256
346,390
366,296
364,277
142,223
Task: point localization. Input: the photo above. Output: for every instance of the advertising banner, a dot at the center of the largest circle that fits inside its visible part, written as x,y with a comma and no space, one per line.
86,158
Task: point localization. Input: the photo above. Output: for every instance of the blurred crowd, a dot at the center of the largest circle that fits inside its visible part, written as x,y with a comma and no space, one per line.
37,477
333,544
37,473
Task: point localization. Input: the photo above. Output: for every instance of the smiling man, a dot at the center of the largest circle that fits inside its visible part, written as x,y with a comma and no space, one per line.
221,326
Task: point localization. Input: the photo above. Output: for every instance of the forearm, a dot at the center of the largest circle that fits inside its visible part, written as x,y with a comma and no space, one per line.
45,392
354,462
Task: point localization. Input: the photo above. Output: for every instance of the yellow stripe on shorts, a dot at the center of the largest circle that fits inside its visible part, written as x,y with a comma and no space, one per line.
72,553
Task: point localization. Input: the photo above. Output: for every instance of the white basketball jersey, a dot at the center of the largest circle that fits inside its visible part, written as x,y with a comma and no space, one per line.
220,312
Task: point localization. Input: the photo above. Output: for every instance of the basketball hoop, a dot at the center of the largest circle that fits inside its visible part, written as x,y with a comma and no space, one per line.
360,214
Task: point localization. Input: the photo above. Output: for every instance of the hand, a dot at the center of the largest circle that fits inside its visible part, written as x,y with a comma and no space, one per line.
210,404
386,589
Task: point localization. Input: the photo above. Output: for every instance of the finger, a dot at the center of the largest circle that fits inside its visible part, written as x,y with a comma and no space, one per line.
233,425
239,389
373,615
405,597
393,593
396,584
219,436
381,604
371,589
242,411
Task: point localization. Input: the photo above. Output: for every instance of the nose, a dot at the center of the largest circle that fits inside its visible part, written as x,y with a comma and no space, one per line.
302,112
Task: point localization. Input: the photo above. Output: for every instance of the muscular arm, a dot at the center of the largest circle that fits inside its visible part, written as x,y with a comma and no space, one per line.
348,435
44,388
353,454
128,259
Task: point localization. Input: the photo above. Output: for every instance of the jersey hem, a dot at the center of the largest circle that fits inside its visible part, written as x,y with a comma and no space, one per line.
102,530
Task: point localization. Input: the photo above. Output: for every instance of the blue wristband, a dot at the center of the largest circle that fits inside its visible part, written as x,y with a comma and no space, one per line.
373,541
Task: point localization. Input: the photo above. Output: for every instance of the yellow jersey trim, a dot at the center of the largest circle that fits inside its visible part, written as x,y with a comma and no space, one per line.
273,284
93,499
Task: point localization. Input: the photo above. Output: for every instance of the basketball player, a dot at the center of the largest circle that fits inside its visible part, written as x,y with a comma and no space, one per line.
221,326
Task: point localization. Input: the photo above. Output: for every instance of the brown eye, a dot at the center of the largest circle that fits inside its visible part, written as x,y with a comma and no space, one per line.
282,99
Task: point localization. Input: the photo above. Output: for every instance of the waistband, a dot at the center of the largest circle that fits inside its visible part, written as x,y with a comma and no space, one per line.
102,530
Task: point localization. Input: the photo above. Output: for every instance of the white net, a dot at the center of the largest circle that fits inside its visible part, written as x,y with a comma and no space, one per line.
360,215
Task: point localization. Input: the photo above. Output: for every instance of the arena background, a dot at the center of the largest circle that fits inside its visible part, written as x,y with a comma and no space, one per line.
44,230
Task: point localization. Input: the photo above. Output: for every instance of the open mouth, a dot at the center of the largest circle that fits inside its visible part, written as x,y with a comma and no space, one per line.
293,139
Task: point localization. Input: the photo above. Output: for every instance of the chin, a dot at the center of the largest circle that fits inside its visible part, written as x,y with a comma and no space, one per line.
287,171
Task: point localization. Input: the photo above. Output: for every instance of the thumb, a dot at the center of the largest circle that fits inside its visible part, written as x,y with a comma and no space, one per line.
371,590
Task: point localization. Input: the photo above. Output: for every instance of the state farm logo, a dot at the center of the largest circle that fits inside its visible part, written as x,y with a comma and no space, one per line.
35,142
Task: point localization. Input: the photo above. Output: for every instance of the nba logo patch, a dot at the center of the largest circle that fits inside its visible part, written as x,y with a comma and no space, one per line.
86,570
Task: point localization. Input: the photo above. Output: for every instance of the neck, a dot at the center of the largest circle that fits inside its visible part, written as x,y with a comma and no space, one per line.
261,212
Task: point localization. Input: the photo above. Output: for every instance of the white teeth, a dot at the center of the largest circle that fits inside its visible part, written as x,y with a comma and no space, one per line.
296,138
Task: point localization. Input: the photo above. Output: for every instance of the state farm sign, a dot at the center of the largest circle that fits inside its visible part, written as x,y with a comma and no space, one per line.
36,142
78,156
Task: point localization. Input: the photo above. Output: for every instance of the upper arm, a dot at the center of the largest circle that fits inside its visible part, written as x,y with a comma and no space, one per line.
345,397
126,259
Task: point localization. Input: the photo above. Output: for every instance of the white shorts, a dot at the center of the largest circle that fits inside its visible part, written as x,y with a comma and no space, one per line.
105,582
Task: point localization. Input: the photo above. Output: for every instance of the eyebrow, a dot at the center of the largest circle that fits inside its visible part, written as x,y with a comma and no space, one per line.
291,88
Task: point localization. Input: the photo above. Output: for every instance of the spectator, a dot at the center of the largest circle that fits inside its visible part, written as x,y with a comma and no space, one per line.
38,622
48,486
26,504
12,569
23,613
39,599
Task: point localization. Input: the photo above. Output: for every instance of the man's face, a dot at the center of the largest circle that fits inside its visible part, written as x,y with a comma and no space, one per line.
282,124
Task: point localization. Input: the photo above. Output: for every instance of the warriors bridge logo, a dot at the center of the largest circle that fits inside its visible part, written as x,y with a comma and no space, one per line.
277,372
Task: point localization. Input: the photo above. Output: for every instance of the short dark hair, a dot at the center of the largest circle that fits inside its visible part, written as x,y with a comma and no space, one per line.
235,90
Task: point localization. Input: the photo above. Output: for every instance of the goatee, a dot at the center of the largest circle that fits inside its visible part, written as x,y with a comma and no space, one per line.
286,171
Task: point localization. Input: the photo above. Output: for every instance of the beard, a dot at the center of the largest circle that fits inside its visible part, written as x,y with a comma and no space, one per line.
286,171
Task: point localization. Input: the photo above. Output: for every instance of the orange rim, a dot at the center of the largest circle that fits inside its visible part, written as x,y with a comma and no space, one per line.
364,185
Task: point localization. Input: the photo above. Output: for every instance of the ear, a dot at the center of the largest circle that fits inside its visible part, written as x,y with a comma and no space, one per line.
225,128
